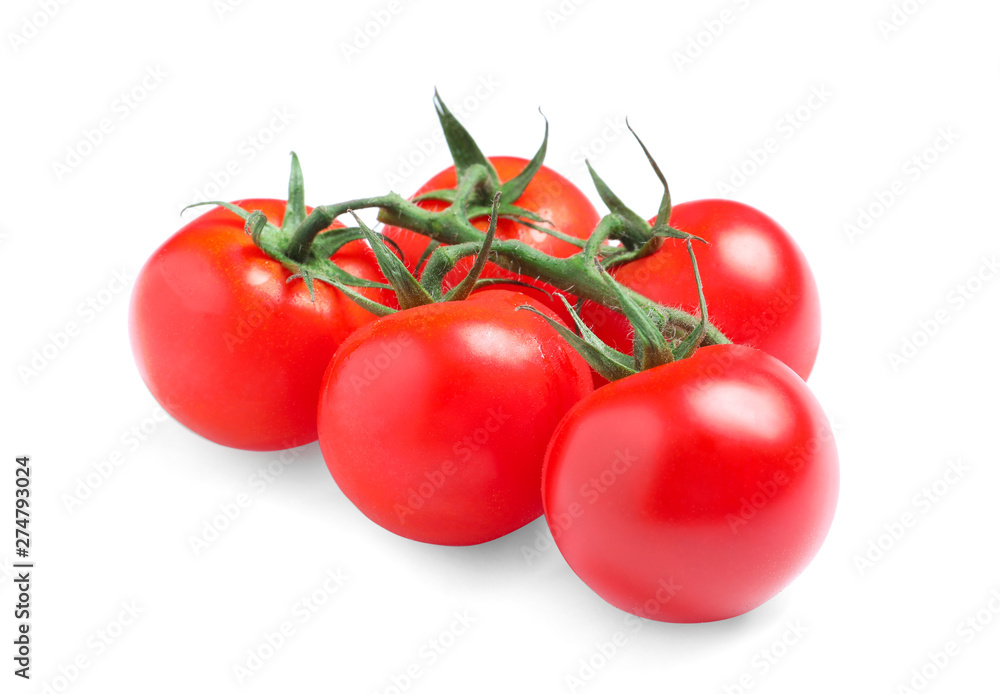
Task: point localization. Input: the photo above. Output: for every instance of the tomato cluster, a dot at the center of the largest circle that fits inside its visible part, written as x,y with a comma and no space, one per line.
458,413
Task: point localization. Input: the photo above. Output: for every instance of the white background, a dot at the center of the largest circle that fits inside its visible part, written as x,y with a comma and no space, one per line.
354,119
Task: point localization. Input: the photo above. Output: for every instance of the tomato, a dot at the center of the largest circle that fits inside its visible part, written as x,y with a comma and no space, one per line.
434,421
694,491
226,345
549,194
758,286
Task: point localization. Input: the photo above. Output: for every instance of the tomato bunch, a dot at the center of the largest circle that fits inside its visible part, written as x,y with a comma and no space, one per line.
499,352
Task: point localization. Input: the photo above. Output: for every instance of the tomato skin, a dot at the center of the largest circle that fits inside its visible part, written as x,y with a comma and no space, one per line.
758,286
549,194
694,491
434,421
225,345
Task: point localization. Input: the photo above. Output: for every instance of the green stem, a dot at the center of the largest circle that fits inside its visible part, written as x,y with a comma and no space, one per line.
321,217
574,274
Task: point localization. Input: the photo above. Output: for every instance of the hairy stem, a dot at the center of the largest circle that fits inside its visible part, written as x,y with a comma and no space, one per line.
575,274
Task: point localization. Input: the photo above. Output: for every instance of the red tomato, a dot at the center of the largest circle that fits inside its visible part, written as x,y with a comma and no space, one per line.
434,421
230,349
758,286
694,491
549,194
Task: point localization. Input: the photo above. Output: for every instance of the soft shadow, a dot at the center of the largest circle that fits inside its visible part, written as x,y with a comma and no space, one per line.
307,481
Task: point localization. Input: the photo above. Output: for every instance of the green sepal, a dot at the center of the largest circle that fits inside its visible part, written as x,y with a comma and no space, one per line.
566,238
270,240
668,232
361,300
307,277
614,257
464,150
608,227
468,283
255,225
635,230
443,195
506,211
691,343
239,211
661,225
329,242
442,261
431,247
649,348
295,208
666,206
608,362
450,195
515,187
408,289
395,246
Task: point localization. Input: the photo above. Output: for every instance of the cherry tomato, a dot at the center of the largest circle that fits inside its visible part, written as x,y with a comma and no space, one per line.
434,421
226,345
694,491
549,194
758,286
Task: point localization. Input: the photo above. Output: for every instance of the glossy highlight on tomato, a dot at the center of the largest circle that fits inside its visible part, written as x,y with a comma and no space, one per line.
694,491
758,286
226,344
434,421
